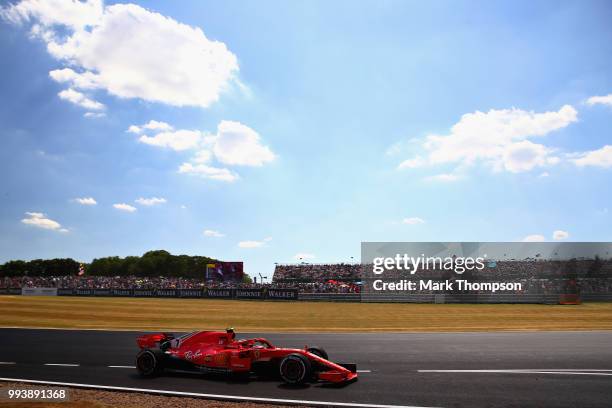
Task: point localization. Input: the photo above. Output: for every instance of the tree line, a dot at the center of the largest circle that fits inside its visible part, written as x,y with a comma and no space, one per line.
152,263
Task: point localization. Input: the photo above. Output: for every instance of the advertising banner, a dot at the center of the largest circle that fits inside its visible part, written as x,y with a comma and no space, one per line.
166,292
249,293
144,292
39,291
121,292
102,292
190,293
282,294
10,291
220,293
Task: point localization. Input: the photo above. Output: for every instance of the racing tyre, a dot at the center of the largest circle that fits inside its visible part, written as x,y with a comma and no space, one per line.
295,369
150,363
318,351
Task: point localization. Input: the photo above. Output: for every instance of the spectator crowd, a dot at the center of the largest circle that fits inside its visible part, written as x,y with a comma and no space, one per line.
137,282
536,276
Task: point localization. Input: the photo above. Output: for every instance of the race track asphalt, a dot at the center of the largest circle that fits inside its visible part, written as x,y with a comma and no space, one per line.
567,369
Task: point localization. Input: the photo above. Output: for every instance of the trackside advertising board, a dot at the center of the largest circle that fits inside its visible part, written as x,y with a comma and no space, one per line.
249,293
214,293
282,294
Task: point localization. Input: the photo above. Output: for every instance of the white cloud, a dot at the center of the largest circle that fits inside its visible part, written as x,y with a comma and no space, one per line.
412,163
177,140
598,158
39,220
151,125
524,156
124,207
80,99
129,51
86,80
413,221
559,235
213,233
534,238
150,201
497,138
86,201
251,244
134,129
302,256
600,100
48,13
233,144
202,156
238,144
254,244
204,171
94,114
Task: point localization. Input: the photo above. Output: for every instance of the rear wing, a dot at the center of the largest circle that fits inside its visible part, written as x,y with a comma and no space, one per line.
153,340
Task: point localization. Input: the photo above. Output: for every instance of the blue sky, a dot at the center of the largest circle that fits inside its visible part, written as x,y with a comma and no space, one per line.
286,128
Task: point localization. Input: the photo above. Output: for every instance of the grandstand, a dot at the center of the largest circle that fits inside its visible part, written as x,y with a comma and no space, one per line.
304,272
586,276
538,276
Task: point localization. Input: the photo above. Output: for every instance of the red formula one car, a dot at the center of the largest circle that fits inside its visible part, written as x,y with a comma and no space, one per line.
220,353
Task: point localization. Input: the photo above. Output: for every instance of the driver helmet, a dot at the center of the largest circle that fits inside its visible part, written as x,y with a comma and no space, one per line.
230,332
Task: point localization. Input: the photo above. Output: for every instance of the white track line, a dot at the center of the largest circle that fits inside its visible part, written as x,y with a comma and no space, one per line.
364,371
7,363
62,364
211,396
563,371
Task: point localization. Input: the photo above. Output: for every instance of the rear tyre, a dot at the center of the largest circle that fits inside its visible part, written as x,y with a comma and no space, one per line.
295,369
318,351
150,363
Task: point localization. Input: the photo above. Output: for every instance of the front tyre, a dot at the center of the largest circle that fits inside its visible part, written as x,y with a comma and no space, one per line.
318,351
295,369
150,363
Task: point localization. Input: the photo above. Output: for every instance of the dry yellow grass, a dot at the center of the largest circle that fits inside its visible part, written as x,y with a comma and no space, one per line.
192,314
83,398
